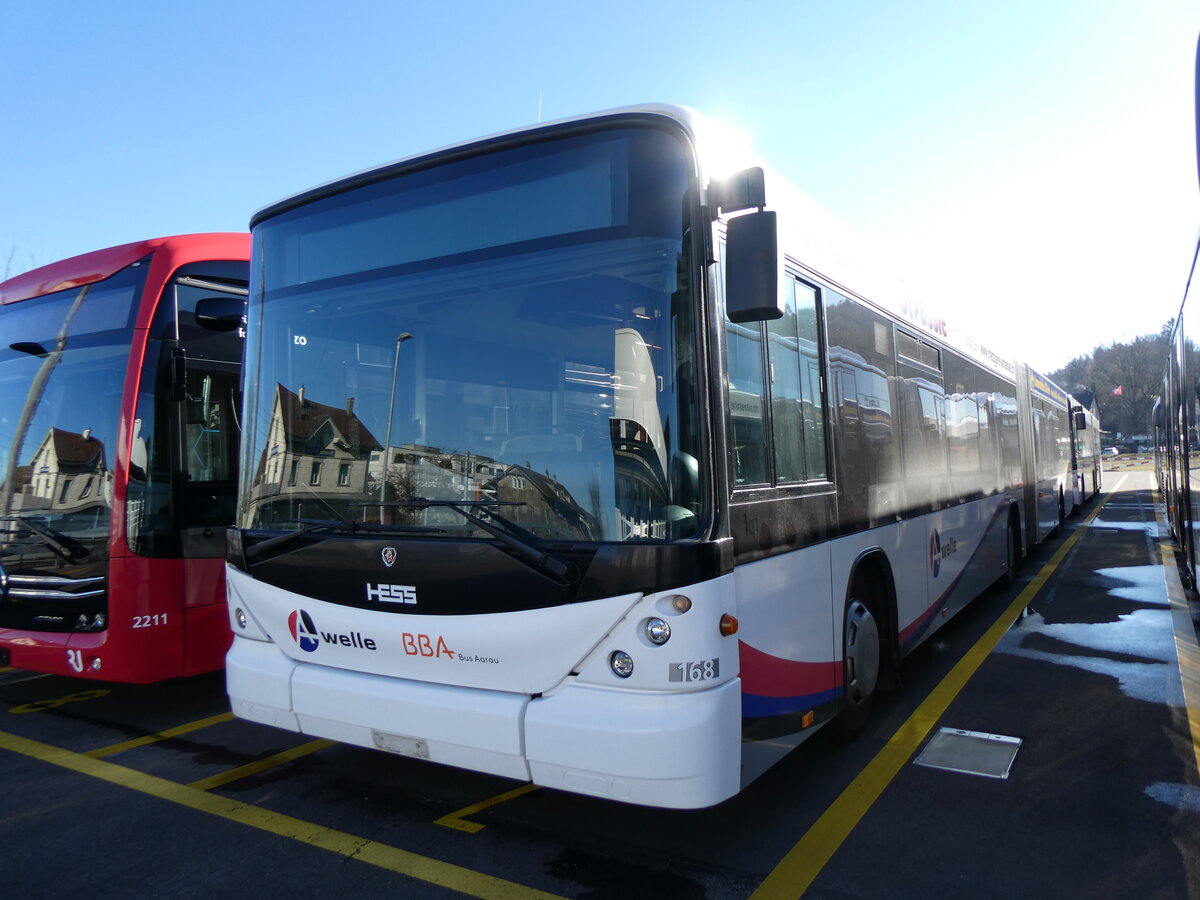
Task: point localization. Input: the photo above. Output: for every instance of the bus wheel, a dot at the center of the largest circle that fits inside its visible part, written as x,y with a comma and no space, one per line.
860,666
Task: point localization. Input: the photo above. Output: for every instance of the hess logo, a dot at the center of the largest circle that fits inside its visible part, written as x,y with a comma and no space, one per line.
305,633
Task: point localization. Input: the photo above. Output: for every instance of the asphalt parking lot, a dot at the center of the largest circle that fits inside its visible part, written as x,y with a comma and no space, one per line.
1088,662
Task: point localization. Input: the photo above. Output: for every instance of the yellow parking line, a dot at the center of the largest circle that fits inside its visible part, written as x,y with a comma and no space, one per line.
112,749
259,765
804,862
456,820
393,859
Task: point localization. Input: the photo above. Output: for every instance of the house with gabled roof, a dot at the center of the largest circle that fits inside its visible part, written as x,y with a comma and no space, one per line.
314,451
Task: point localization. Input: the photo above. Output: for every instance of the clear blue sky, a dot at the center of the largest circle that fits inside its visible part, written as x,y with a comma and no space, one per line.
1029,164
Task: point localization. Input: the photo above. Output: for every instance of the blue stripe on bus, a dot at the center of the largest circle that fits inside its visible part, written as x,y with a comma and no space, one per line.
754,706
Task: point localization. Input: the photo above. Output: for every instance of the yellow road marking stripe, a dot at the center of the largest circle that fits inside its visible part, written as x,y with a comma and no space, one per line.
20,676
798,869
259,765
112,749
456,819
393,859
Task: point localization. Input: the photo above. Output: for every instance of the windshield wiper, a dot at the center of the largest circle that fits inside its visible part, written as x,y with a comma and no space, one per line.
524,545
336,525
70,552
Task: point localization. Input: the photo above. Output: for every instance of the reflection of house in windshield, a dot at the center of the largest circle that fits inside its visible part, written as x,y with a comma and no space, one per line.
322,459
315,453
546,507
67,474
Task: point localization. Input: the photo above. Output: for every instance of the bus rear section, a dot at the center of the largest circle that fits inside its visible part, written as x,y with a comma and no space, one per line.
120,371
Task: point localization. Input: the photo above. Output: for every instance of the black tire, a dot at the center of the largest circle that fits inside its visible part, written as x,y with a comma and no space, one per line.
861,660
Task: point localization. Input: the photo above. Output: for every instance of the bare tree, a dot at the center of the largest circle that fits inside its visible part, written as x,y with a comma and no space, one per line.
1125,379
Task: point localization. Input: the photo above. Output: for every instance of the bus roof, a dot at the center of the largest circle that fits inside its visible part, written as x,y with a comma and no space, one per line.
689,118
816,239
100,264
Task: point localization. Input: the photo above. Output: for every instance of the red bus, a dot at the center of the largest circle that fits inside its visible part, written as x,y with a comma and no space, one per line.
119,400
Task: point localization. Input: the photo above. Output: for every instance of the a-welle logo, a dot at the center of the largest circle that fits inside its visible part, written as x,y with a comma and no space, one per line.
305,633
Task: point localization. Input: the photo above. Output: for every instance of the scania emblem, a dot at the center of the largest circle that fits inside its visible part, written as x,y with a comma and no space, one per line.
389,556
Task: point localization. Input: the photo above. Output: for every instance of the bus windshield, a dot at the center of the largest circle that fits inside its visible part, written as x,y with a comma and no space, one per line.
513,332
63,359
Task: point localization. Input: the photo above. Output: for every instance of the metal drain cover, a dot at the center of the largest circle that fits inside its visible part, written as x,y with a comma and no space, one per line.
970,752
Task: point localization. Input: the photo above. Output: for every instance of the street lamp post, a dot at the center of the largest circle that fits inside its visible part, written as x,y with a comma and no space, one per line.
387,441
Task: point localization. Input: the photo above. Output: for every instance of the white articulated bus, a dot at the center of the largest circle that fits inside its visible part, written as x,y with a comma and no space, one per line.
580,455
1085,431
1052,491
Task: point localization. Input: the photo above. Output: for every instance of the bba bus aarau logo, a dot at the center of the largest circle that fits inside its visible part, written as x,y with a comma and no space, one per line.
304,632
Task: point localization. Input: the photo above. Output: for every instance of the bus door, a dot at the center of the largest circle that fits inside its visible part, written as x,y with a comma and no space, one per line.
922,402
206,388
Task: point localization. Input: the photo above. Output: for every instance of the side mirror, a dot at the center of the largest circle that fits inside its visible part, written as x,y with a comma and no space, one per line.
221,313
1080,421
751,248
752,268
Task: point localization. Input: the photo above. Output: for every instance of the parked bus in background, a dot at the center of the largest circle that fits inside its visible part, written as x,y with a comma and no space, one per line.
1176,413
1176,418
119,396
1086,451
1050,492
566,460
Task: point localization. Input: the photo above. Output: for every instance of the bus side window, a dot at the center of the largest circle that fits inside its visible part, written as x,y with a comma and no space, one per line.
813,411
787,400
798,418
747,406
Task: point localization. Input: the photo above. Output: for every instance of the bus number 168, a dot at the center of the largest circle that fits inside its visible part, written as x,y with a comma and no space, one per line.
702,670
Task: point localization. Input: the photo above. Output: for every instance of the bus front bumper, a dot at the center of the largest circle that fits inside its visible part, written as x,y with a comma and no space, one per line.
671,749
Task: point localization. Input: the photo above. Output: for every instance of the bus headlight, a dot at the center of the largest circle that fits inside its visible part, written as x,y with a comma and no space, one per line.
657,631
621,663
240,617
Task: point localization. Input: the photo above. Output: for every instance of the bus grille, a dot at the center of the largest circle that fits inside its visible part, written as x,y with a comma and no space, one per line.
54,587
